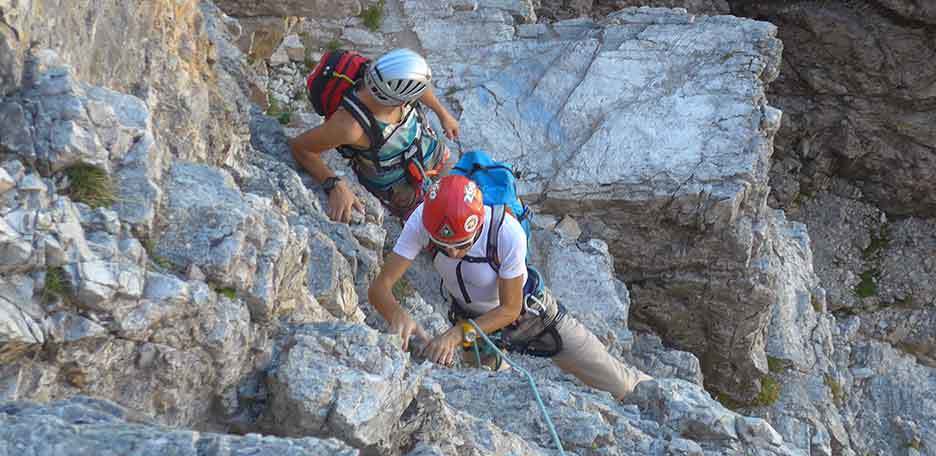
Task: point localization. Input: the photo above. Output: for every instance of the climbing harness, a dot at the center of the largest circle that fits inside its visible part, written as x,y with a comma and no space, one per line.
539,401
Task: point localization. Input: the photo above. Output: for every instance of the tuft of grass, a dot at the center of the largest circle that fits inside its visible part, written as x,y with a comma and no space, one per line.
56,285
373,16
91,185
868,285
227,292
729,403
879,241
769,393
149,244
775,365
281,115
838,393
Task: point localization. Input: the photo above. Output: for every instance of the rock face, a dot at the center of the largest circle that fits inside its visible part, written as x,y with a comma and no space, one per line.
568,9
164,50
81,425
341,380
206,297
326,9
857,102
90,303
618,133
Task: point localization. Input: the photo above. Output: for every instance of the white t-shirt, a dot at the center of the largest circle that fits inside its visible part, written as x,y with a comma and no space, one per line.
479,278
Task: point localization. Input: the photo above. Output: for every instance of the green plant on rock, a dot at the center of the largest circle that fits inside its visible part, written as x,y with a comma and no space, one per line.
373,16
56,285
775,365
867,287
769,393
879,241
90,185
283,116
227,292
149,244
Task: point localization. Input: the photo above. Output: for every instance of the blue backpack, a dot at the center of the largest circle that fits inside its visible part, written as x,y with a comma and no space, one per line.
498,184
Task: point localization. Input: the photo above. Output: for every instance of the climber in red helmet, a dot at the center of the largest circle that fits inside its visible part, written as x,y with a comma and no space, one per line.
480,252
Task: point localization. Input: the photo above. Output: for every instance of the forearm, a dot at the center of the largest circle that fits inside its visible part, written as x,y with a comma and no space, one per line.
381,297
432,102
496,319
313,163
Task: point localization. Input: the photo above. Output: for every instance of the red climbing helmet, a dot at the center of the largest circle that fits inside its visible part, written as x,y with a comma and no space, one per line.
453,211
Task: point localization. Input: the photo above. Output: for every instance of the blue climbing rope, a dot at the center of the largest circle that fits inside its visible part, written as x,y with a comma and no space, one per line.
539,401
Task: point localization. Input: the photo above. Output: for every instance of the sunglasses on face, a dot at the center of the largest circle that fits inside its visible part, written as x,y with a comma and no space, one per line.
459,246
456,246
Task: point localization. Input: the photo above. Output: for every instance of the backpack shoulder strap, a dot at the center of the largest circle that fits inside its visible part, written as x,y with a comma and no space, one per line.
365,118
498,214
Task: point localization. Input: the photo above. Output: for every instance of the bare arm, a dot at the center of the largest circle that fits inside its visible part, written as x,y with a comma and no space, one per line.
380,295
510,292
449,124
307,149
444,348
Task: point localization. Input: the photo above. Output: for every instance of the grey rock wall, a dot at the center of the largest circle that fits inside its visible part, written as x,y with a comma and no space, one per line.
613,124
81,425
856,89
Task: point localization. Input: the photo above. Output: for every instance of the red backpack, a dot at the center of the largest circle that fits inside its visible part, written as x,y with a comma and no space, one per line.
337,72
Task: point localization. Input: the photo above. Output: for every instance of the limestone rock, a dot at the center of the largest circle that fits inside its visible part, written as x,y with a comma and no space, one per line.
86,425
351,371
337,9
852,115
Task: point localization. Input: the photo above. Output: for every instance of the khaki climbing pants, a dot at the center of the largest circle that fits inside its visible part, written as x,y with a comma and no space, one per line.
582,354
585,357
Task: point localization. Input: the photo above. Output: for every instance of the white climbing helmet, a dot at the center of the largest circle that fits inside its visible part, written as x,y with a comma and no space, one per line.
398,77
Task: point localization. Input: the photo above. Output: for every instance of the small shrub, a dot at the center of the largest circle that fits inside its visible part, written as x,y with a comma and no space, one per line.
150,246
90,185
373,16
769,393
775,365
56,285
868,285
838,393
227,292
728,402
275,111
879,241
